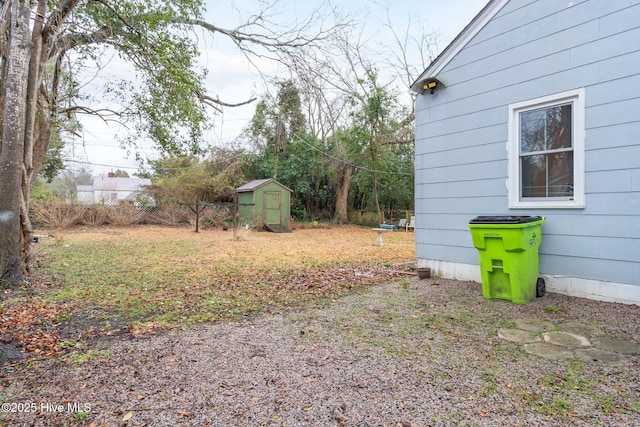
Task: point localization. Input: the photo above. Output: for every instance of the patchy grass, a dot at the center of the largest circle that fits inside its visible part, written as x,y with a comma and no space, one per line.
448,336
145,277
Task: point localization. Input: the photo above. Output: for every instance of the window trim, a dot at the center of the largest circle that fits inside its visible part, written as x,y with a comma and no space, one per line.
574,97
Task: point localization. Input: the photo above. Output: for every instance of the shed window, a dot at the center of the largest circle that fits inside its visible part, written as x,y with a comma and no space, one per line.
546,152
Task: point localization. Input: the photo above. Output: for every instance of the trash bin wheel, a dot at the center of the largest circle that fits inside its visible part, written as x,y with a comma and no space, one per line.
540,287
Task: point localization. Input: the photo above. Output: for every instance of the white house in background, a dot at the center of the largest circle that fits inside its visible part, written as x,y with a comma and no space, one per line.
534,109
111,190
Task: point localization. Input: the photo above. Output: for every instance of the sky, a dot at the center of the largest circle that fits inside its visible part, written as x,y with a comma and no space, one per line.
233,79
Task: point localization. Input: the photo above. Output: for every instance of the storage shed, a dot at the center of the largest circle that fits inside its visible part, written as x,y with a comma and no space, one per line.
271,202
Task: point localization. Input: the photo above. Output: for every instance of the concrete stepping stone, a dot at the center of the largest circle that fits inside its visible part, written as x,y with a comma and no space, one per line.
579,328
534,325
566,339
569,340
518,335
549,351
617,345
603,357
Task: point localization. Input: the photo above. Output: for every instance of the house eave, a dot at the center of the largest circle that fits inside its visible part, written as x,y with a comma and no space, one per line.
458,43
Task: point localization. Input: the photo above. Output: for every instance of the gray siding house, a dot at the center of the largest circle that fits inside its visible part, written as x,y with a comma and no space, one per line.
534,109
111,190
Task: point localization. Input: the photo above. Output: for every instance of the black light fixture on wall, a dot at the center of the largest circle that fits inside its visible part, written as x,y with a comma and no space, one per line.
431,84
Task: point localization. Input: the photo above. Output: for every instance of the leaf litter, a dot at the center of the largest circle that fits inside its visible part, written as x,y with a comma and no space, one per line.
160,277
320,342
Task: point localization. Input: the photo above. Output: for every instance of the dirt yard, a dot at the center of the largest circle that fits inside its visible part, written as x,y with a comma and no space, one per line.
104,281
332,331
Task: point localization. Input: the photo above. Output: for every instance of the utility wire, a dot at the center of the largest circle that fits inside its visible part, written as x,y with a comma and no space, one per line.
351,163
324,153
97,164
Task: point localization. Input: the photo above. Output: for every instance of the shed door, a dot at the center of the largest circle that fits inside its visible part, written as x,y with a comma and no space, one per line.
271,207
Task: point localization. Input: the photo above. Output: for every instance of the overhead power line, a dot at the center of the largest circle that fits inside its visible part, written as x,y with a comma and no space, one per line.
324,153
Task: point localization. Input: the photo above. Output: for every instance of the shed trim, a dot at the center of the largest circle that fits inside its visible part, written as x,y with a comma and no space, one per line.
257,183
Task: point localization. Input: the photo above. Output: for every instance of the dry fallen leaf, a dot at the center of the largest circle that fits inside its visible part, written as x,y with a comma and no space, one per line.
128,416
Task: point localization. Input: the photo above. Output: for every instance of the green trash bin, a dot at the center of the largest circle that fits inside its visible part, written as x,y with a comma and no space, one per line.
508,250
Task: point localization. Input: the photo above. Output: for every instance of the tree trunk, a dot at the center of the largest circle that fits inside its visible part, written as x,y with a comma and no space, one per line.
374,162
32,157
342,196
376,200
12,152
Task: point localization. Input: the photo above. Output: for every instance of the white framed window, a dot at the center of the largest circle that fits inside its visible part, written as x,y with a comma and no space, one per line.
546,152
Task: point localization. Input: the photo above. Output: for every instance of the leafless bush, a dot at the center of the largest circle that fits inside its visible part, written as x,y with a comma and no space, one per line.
124,214
55,214
59,214
94,215
170,215
211,216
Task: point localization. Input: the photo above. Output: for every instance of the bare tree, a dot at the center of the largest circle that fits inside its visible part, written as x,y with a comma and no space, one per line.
410,53
346,75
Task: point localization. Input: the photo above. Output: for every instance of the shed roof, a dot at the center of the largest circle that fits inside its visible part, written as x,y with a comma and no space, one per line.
461,40
255,184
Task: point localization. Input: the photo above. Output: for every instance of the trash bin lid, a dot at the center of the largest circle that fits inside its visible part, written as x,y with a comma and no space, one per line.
507,219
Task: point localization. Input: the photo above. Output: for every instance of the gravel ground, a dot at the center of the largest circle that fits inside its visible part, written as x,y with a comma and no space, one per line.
407,353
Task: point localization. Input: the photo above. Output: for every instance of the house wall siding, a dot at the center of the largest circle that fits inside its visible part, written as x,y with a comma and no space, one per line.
111,190
528,50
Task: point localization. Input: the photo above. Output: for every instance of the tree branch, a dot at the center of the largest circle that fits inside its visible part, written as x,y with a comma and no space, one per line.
57,17
67,43
226,104
86,110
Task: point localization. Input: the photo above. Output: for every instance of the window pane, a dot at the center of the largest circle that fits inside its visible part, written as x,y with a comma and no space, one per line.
547,175
545,129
